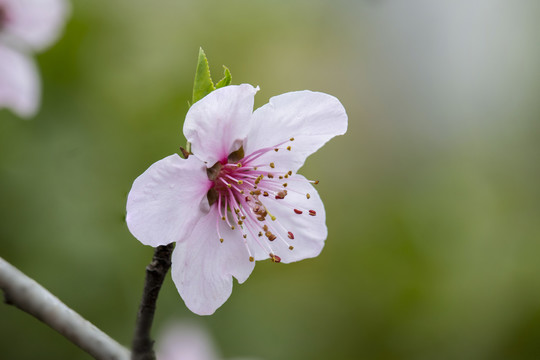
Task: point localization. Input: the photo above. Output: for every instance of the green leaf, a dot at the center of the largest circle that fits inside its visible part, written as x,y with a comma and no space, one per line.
227,78
203,84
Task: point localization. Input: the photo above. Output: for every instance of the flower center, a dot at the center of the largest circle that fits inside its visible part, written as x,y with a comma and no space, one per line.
3,17
241,190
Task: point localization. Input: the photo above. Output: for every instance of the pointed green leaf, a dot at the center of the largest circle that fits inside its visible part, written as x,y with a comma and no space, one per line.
227,78
203,84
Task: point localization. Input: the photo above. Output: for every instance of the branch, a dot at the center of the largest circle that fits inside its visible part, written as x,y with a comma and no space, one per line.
143,345
26,294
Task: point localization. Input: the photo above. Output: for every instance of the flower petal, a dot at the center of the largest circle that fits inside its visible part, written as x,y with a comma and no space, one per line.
19,83
217,124
37,23
185,341
311,118
166,201
203,267
309,232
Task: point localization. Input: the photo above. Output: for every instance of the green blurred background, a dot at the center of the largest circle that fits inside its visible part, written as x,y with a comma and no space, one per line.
432,196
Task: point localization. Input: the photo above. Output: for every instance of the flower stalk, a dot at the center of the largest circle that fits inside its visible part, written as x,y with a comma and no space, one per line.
143,345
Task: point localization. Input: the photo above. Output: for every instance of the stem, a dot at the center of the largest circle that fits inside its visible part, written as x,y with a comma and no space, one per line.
143,345
26,294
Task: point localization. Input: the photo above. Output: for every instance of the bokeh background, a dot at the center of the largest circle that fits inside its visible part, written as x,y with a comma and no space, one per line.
432,196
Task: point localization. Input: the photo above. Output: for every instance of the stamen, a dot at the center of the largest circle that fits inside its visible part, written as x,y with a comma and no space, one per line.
297,211
275,258
291,235
312,212
272,165
308,196
289,148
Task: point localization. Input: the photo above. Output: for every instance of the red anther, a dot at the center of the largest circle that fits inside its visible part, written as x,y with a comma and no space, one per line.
248,198
279,197
297,211
291,235
275,258
265,193
312,212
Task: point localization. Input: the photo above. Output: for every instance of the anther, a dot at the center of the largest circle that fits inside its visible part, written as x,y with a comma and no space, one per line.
270,176
251,259
292,139
221,240
229,186
289,148
308,196
286,176
316,182
243,217
275,258
272,165
291,235
284,184
265,227
276,150
245,236
312,212
239,165
280,177
265,193
297,211
232,227
289,172
240,182
223,218
260,234
291,247
240,222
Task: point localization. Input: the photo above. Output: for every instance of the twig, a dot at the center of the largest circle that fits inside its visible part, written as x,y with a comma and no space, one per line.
143,345
26,294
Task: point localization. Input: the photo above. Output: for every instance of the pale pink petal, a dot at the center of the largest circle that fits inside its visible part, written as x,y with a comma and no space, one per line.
203,267
35,23
185,342
311,118
19,83
309,232
167,200
217,124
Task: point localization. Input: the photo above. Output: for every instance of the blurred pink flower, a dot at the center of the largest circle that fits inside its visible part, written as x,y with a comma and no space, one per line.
186,341
238,198
26,26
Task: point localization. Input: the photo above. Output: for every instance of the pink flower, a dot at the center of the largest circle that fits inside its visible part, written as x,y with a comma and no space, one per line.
238,198
186,341
25,26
